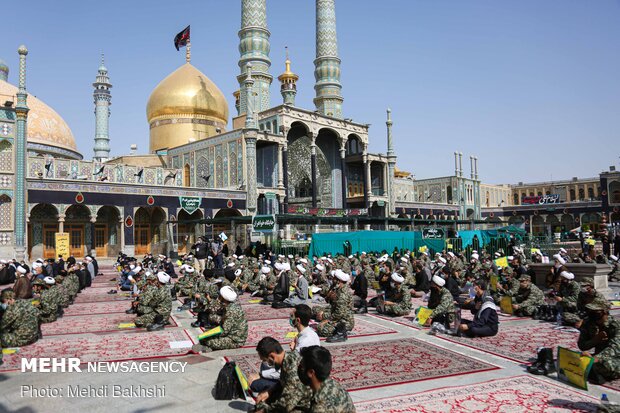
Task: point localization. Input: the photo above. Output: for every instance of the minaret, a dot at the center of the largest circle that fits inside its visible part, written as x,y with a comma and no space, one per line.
391,156
103,100
21,111
254,49
250,136
288,79
328,100
4,71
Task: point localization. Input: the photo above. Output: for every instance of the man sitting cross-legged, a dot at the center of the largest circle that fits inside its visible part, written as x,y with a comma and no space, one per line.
288,394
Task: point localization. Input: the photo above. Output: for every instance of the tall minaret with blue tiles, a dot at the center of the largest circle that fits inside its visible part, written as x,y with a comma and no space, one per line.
103,100
254,49
21,195
328,100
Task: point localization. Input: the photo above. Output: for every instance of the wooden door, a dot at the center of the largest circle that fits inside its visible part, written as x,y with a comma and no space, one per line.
143,239
49,241
76,240
101,240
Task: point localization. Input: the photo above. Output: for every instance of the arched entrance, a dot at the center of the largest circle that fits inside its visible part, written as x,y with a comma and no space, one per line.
538,225
187,232
589,222
107,230
567,222
150,231
239,233
77,225
42,229
553,223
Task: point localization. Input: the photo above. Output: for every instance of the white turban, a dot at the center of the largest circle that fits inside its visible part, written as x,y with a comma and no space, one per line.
342,276
475,256
320,267
231,264
301,268
137,269
265,270
559,259
163,277
450,253
49,280
567,275
442,260
228,294
267,262
237,272
21,270
305,261
189,269
562,250
439,281
397,278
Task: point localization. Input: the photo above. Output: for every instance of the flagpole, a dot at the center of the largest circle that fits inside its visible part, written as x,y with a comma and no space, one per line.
188,54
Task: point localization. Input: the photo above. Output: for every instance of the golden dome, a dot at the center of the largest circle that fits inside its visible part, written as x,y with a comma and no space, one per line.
45,126
185,106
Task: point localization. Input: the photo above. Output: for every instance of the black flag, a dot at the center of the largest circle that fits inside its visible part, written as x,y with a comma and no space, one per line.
182,38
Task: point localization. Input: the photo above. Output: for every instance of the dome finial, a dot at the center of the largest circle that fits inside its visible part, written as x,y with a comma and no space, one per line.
188,53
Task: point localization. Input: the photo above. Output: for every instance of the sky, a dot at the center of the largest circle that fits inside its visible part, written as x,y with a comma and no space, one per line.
530,87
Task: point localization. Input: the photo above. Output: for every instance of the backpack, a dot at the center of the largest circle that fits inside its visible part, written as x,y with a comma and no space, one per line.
227,386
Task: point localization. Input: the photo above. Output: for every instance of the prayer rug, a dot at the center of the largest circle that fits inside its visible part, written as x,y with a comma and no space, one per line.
519,341
281,329
92,324
105,347
515,394
109,307
98,297
386,363
255,312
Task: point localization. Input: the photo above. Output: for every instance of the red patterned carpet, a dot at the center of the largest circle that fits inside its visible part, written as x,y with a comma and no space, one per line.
363,366
519,341
278,329
103,347
265,312
99,296
525,394
91,324
109,307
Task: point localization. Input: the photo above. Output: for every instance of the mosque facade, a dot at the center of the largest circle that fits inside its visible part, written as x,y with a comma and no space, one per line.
279,159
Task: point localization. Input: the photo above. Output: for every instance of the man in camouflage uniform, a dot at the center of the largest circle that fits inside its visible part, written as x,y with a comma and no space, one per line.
63,292
400,303
336,322
48,299
289,394
19,325
72,283
507,286
161,304
528,297
208,306
566,298
587,295
144,305
441,302
328,395
185,286
601,331
234,324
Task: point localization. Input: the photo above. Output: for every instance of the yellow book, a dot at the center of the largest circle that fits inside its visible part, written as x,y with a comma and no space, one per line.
423,249
505,304
36,302
254,301
493,282
211,333
449,246
422,314
375,285
291,334
574,368
244,382
502,262
10,350
126,325
615,303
